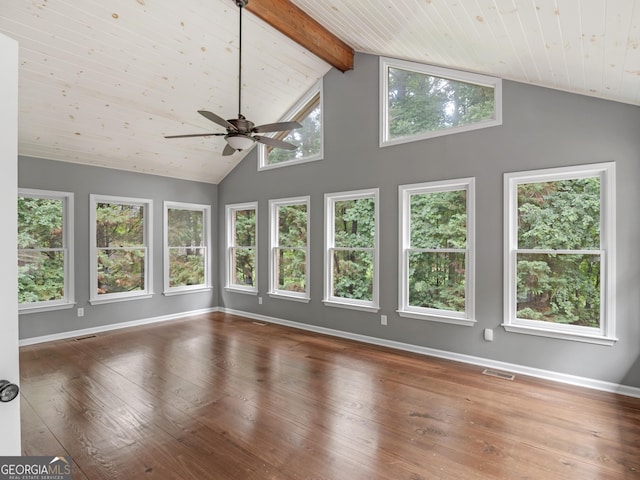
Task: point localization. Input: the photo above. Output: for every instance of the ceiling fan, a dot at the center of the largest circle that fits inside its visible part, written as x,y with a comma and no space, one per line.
240,131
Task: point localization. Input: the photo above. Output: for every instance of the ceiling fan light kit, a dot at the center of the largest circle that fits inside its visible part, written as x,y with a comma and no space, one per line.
240,131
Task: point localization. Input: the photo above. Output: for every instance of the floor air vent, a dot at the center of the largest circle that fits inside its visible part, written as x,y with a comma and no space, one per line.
262,324
77,339
499,374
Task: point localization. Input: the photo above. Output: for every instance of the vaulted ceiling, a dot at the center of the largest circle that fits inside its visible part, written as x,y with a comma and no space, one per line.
101,83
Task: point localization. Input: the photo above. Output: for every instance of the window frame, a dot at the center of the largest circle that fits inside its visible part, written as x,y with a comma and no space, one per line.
441,72
405,192
206,235
605,334
230,244
329,299
147,292
274,244
300,106
68,301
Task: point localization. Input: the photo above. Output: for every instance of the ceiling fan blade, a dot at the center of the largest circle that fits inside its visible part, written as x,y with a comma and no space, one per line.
216,119
274,142
195,135
228,150
276,127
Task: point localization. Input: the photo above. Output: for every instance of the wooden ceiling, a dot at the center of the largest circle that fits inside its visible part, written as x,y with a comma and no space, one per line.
102,82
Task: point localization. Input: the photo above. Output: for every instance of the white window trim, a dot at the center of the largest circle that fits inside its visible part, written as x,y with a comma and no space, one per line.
229,209
433,314
330,199
292,113
457,75
67,246
94,298
206,227
274,243
605,335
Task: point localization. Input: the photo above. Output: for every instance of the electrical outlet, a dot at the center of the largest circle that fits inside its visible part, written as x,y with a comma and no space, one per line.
81,312
383,319
259,300
488,335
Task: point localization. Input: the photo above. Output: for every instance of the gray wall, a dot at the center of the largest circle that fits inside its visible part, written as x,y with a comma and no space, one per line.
541,128
83,180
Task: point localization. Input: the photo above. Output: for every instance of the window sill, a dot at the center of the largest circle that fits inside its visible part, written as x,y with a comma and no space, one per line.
562,335
437,318
185,291
271,166
44,308
352,306
284,296
101,301
246,291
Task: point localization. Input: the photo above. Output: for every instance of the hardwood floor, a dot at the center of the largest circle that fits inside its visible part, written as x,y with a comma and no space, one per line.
221,397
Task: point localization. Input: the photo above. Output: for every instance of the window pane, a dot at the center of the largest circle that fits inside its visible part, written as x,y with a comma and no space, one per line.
559,288
245,228
40,276
40,222
186,266
353,274
355,223
119,225
120,270
437,280
439,220
291,265
308,138
421,103
243,270
559,215
185,227
292,225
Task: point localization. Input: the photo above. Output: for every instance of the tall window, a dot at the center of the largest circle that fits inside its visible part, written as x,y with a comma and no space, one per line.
351,250
308,139
186,247
420,101
242,247
45,250
120,248
560,255
289,247
436,251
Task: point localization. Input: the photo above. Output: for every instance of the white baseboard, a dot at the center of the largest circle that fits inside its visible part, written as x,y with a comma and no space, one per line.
458,357
115,326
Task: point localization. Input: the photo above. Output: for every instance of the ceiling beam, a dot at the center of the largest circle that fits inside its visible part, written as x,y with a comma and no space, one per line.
293,22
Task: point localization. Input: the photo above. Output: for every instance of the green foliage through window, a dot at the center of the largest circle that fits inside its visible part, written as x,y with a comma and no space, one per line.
187,248
41,250
562,283
243,251
291,251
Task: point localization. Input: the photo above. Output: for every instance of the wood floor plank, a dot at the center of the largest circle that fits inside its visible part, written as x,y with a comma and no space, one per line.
219,396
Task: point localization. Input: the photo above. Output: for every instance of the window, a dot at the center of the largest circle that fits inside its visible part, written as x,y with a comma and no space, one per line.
308,139
242,247
120,249
351,250
420,101
186,247
289,247
45,250
560,253
437,251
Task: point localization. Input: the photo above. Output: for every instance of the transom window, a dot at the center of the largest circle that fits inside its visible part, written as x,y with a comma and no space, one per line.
308,139
352,250
187,247
420,101
242,243
436,251
289,246
560,257
121,248
45,250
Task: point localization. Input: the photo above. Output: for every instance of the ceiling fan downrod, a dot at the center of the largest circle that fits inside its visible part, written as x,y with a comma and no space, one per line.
240,4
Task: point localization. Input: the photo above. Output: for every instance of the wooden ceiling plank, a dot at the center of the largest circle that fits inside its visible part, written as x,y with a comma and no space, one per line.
293,22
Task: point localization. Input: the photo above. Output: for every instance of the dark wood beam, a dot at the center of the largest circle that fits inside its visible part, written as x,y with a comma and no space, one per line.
293,22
